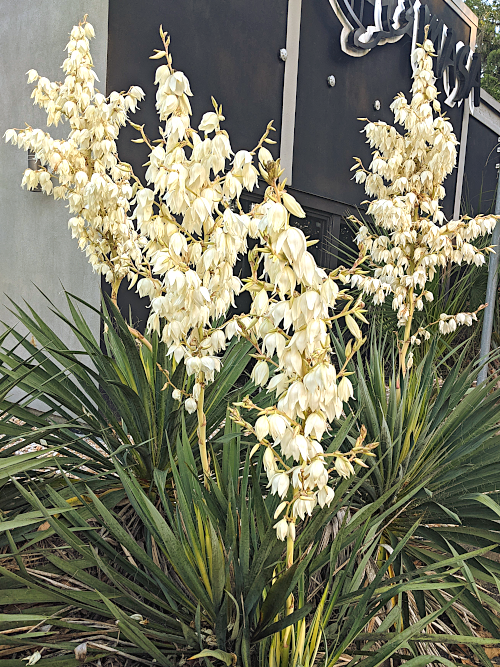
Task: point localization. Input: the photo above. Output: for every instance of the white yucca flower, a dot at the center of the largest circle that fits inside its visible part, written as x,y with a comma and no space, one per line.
177,238
405,181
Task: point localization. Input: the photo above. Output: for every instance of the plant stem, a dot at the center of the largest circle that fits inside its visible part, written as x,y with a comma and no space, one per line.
202,431
142,339
407,336
136,334
289,603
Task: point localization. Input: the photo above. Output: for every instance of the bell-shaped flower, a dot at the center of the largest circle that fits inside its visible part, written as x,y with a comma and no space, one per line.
325,496
345,390
209,122
279,484
277,426
281,529
269,463
315,425
260,373
190,405
262,427
343,467
303,505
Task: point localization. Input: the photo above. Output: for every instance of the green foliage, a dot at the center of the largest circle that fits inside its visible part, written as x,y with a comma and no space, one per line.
442,440
205,574
134,547
100,406
488,40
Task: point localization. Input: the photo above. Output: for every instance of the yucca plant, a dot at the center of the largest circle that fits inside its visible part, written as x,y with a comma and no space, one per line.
441,440
188,570
204,577
98,406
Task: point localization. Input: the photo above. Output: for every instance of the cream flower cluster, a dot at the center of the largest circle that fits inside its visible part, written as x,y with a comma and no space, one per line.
448,323
191,216
195,236
293,306
405,179
84,169
178,239
297,467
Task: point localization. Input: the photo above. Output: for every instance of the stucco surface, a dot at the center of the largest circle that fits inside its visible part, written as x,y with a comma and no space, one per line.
36,247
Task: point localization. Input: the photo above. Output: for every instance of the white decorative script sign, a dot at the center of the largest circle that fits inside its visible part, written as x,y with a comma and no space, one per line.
370,23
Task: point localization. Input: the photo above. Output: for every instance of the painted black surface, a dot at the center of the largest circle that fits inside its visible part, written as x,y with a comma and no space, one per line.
327,129
480,176
228,49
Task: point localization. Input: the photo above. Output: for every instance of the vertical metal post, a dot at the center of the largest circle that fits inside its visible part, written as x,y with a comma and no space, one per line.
491,290
290,87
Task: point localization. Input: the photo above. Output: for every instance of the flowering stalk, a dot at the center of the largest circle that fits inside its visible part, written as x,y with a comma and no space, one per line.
202,431
84,169
405,179
292,311
290,602
177,240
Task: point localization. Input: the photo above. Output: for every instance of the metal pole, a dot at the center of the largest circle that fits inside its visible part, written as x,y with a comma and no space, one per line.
491,290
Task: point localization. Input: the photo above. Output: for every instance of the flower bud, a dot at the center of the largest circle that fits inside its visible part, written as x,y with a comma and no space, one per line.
269,462
280,509
353,327
265,156
293,205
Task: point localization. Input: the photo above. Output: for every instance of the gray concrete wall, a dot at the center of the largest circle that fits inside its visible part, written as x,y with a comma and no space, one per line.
35,243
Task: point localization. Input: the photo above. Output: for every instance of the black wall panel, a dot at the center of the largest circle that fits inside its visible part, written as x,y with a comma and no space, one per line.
327,132
480,177
228,49
327,129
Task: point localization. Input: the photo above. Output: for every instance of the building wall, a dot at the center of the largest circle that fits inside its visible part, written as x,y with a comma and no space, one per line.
481,158
480,177
36,247
228,48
